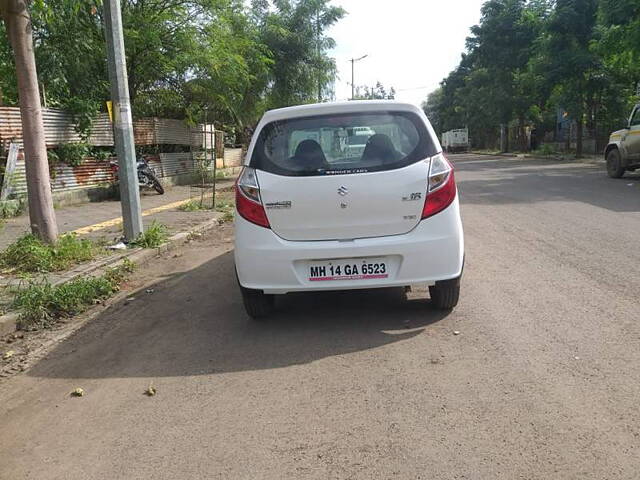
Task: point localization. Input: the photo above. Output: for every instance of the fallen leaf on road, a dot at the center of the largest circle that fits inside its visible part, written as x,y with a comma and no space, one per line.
78,392
150,392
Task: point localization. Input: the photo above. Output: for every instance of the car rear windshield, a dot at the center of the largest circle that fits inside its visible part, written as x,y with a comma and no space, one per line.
342,144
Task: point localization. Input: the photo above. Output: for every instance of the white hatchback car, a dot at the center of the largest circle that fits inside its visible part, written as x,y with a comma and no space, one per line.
313,215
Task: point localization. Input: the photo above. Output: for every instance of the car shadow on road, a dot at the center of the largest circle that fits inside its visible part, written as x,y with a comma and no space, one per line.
194,324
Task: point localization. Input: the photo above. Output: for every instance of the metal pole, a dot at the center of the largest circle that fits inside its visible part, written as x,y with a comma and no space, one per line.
123,125
215,166
353,85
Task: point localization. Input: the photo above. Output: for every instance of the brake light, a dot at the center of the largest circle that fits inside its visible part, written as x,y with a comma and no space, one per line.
248,201
441,190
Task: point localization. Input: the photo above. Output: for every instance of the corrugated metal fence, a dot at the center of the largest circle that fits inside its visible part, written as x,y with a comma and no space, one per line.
59,129
91,173
94,173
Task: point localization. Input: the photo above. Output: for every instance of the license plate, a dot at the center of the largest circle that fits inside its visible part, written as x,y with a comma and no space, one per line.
348,269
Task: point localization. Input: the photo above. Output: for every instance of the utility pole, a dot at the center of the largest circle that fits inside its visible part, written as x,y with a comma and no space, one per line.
353,80
123,124
318,55
41,215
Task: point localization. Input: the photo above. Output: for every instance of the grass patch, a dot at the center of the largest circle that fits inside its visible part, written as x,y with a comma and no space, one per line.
29,254
192,206
12,208
152,237
40,304
227,208
546,150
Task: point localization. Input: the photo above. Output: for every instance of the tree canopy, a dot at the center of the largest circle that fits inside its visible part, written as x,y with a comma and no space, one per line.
228,57
529,60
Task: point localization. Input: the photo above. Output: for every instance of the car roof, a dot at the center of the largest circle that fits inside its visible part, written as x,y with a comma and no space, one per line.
330,108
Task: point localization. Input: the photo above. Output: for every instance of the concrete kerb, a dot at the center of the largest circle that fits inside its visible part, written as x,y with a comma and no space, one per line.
8,321
527,156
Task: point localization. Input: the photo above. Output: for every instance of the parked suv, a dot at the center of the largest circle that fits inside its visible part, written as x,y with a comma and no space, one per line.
623,151
312,216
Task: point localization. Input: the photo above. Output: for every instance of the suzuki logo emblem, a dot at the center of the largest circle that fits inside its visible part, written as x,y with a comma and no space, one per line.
343,191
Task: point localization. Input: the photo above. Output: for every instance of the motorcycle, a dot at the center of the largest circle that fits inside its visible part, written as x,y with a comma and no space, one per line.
146,177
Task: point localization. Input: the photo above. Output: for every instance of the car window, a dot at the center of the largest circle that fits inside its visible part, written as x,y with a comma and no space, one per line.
342,144
635,119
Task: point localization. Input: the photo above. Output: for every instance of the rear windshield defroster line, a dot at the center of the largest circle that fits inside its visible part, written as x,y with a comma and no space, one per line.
342,144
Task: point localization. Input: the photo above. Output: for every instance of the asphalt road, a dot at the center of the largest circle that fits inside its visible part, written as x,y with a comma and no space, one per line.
543,381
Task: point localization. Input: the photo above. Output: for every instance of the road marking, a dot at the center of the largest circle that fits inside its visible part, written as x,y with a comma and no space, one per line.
115,221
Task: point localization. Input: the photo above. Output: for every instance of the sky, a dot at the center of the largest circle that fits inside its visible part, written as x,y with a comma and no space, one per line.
411,44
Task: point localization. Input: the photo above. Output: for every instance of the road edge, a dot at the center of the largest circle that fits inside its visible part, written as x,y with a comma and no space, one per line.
8,321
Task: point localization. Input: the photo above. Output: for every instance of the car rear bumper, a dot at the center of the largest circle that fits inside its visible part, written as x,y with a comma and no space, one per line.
433,251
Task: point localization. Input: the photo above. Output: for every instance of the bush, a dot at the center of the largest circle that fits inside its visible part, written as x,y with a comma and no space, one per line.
101,154
153,237
73,154
41,304
29,254
192,206
227,208
11,208
546,149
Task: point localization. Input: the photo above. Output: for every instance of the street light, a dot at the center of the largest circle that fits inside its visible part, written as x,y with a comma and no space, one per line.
353,84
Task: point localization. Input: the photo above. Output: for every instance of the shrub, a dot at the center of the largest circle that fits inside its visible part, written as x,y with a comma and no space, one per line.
101,154
546,149
152,237
40,304
191,206
73,154
29,254
11,208
227,209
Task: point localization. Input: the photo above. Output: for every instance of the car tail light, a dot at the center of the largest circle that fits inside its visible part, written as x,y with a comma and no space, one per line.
248,201
441,190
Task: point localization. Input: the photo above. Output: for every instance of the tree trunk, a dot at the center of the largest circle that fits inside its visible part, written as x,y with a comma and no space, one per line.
579,129
41,214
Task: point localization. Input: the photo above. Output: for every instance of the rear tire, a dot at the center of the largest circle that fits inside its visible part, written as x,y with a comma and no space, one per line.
445,294
614,164
257,304
157,186
155,183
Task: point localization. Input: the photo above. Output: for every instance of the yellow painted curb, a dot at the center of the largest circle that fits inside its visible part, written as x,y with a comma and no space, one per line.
115,221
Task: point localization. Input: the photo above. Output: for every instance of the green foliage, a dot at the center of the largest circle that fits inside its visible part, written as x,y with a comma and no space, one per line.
231,58
73,154
227,208
379,92
40,304
154,236
29,254
102,154
191,206
546,150
11,208
293,32
528,60
84,112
